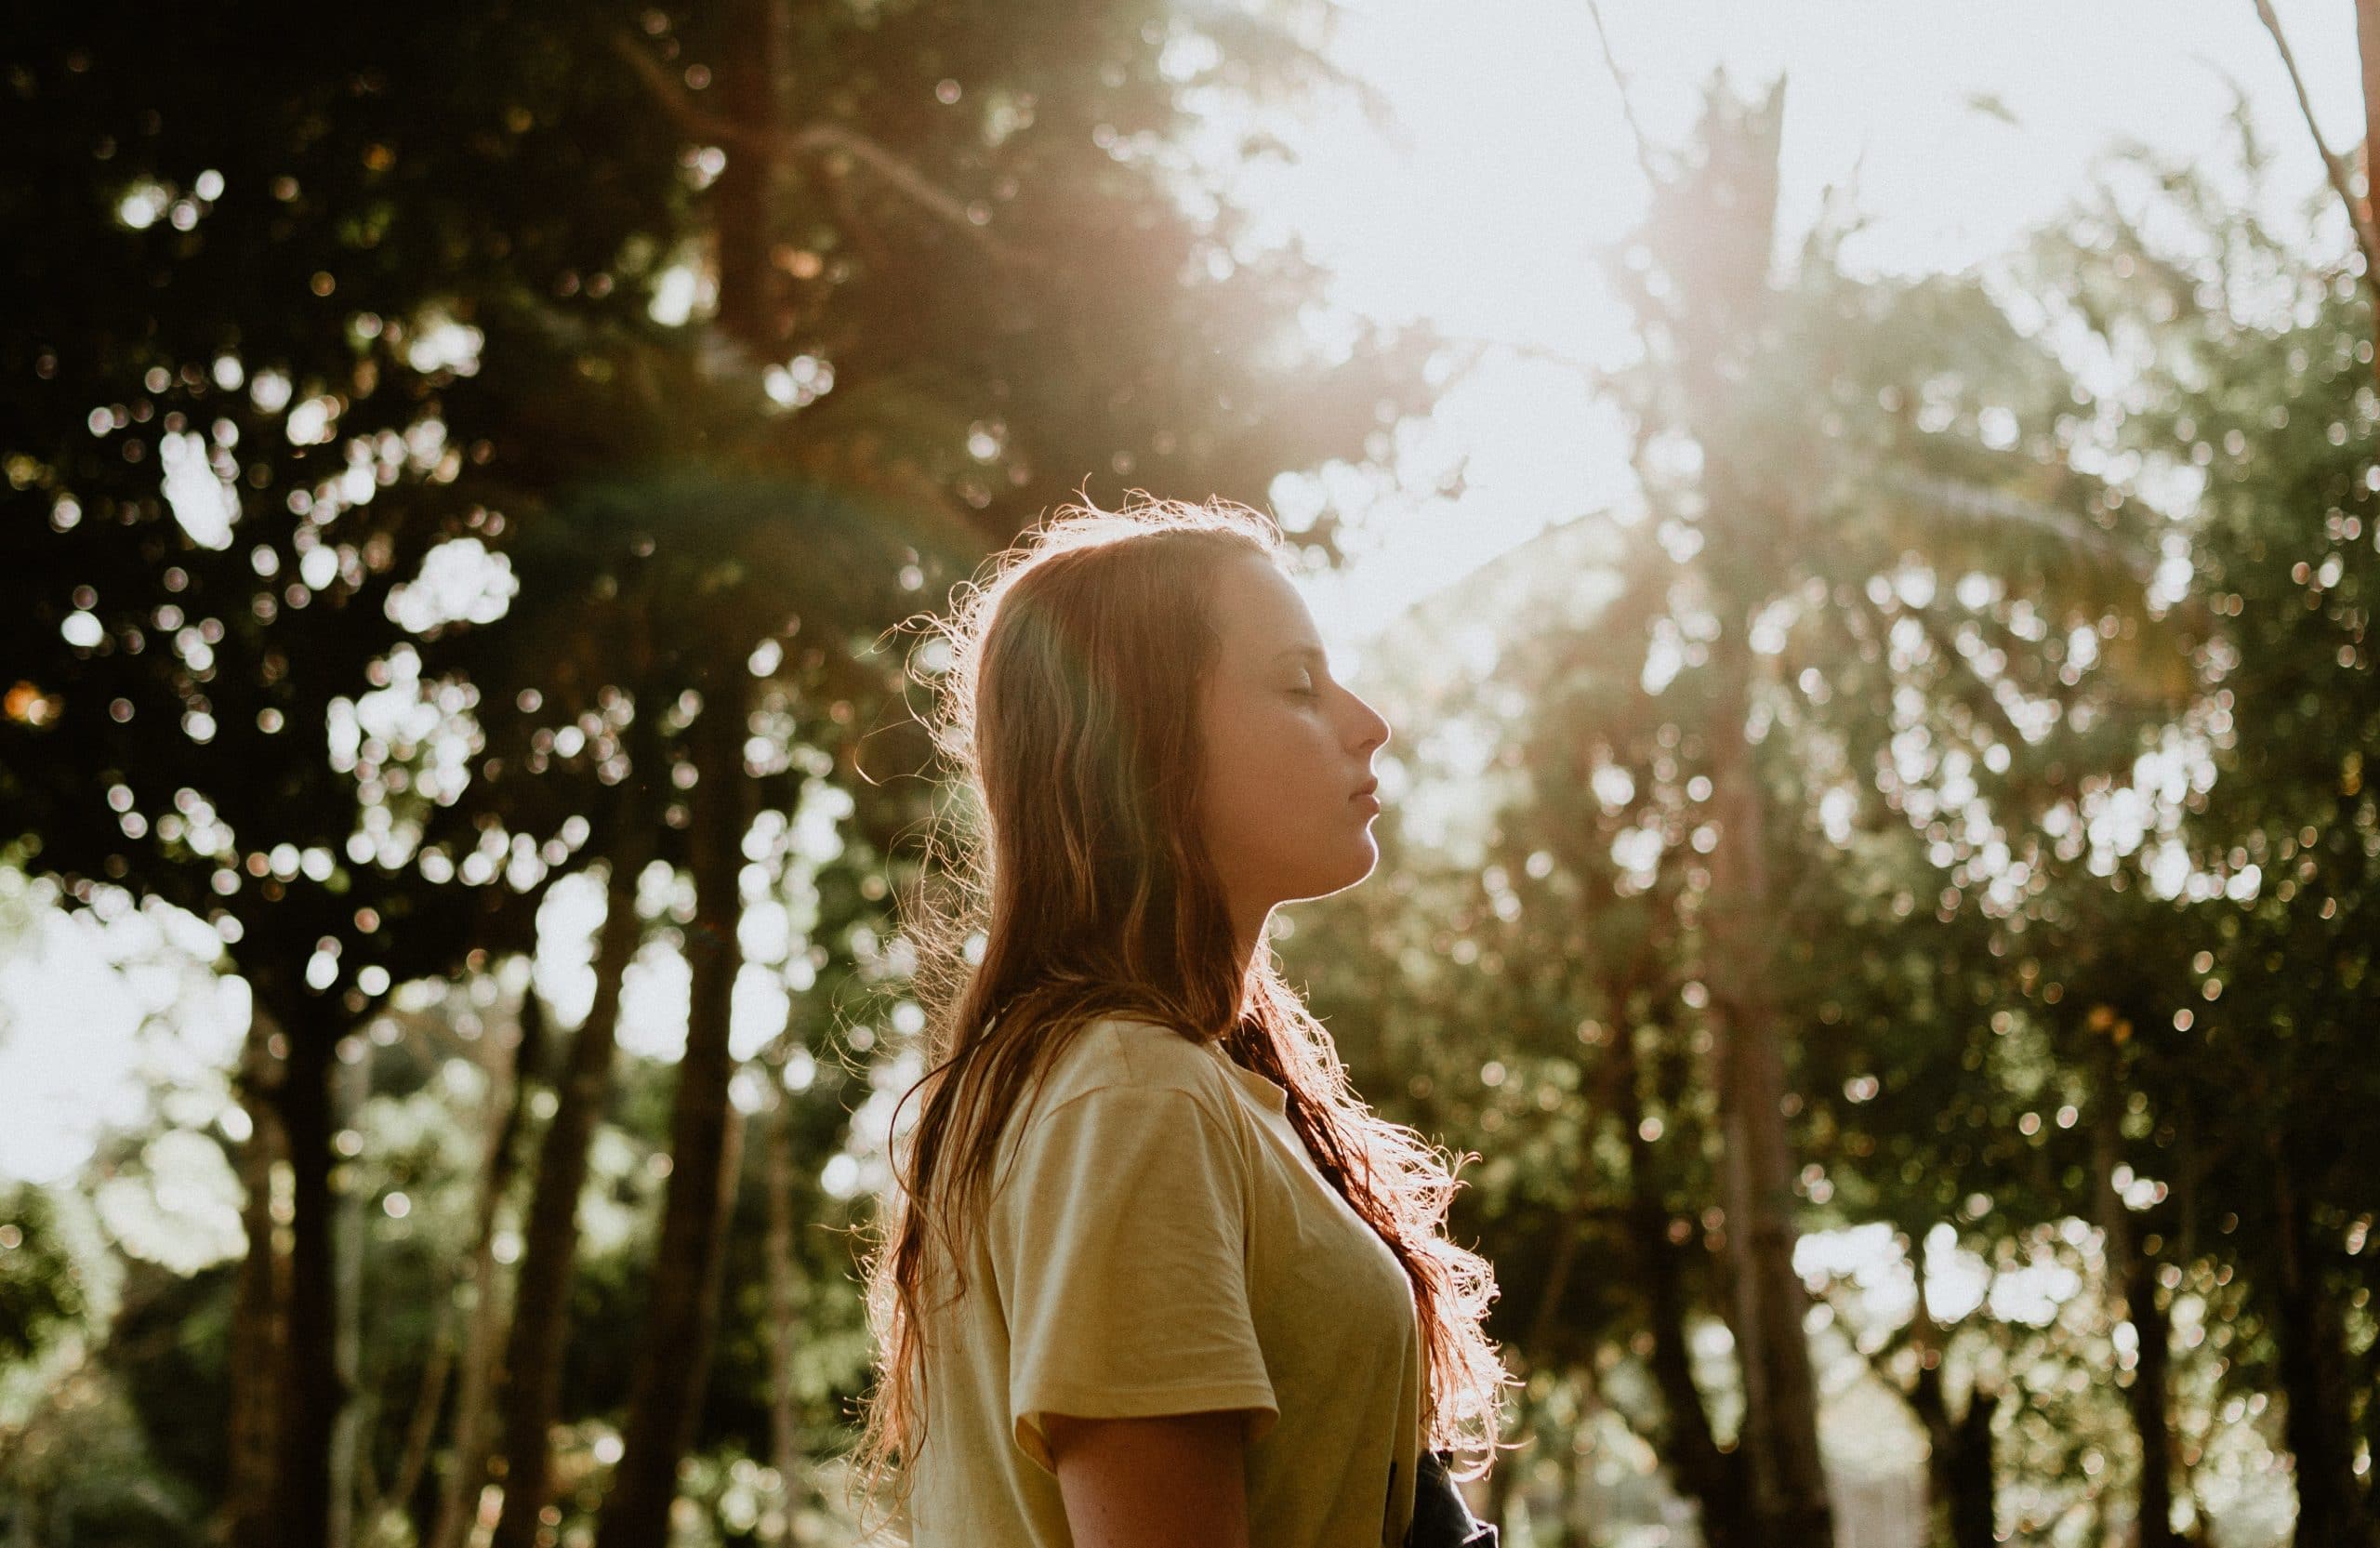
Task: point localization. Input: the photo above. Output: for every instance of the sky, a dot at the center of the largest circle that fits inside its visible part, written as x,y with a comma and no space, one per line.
1517,166
1512,165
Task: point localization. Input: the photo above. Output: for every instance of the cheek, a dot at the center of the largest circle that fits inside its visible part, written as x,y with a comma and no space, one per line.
1243,760
1270,777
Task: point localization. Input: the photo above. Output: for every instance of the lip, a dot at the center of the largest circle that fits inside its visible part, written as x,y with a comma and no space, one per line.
1365,796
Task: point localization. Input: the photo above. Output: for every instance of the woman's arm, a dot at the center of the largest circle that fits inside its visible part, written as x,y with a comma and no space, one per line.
1173,1481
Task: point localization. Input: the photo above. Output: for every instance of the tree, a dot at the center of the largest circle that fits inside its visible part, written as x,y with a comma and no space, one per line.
2358,207
2263,412
1802,447
437,256
312,248
941,379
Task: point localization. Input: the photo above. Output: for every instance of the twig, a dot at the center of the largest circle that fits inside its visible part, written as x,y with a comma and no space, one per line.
1627,108
1977,504
664,91
814,140
1947,646
2358,216
421,1430
822,139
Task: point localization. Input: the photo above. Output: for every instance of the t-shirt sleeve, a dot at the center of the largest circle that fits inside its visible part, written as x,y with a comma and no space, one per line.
1119,1243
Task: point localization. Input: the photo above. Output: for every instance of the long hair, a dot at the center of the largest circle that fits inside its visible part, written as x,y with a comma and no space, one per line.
1079,889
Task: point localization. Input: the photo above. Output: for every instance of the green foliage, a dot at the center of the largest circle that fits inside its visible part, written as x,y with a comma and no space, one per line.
510,435
38,1290
2067,840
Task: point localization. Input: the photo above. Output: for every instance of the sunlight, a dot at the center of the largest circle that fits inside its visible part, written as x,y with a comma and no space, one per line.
1874,808
1481,211
106,1015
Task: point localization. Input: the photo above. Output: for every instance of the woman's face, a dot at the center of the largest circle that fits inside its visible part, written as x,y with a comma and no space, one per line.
1288,751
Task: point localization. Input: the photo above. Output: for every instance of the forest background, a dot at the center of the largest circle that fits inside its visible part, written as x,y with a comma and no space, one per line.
1878,869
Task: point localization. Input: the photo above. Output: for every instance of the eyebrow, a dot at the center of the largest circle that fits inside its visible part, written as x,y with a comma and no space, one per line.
1314,651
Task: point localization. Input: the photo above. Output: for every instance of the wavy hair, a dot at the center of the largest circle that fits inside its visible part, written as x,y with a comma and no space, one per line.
1078,889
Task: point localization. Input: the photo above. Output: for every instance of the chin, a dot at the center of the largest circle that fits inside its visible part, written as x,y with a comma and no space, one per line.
1358,862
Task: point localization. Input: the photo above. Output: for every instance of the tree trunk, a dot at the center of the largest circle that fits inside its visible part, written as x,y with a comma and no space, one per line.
1780,1414
2150,1402
1714,335
1970,1482
2332,1512
673,1353
1500,1498
673,1356
347,1442
749,74
550,1249
311,1393
249,1514
784,1432
1959,1473
508,1085
1713,1477
2131,1284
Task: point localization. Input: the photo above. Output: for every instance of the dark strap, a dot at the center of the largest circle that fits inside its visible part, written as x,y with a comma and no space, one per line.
1442,1517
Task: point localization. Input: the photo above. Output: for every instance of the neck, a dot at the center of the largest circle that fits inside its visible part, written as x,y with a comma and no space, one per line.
1248,939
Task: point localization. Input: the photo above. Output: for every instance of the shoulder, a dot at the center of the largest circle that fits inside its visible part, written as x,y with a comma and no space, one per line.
1122,1098
1115,1053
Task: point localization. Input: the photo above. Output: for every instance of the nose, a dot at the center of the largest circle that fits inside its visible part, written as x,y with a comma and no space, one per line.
1370,730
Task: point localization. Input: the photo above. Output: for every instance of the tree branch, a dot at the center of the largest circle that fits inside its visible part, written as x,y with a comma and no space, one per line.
1980,503
810,142
824,138
666,94
1627,108
1948,645
2358,216
1575,1223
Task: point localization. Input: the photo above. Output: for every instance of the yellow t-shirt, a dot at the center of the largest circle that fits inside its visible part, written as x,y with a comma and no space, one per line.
1160,1241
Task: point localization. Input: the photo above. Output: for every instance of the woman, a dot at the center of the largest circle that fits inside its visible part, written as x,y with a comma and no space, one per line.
1158,1277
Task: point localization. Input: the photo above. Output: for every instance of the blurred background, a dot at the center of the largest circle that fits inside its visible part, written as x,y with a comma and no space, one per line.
1863,516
